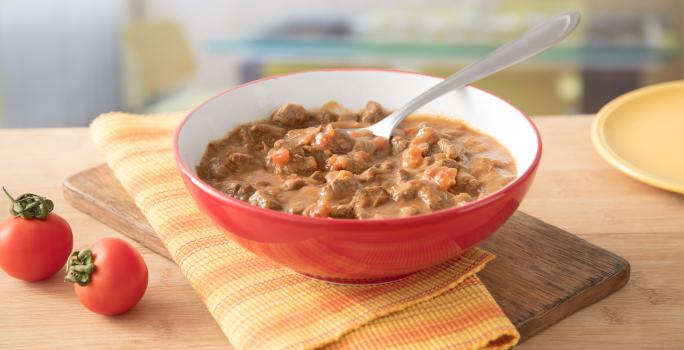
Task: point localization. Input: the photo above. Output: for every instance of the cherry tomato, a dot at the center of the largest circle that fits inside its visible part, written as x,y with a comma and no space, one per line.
110,278
35,243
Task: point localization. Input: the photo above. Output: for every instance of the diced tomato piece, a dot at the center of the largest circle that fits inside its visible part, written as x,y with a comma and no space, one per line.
333,163
444,177
412,157
281,156
325,137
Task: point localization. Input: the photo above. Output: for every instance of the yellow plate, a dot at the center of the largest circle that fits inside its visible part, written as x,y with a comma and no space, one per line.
641,133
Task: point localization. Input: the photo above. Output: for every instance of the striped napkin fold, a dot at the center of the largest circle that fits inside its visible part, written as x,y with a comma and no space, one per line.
261,305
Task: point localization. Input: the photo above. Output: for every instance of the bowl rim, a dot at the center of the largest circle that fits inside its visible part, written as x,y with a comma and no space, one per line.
351,223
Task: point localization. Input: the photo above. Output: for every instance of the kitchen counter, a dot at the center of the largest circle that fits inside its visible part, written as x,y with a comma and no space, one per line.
574,190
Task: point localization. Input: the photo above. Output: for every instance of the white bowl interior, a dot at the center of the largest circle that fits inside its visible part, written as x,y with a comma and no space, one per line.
352,89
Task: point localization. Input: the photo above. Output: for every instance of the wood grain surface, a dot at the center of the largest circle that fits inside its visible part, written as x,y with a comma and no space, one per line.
574,190
542,274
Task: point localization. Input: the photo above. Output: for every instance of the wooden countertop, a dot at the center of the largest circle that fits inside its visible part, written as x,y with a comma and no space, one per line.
574,190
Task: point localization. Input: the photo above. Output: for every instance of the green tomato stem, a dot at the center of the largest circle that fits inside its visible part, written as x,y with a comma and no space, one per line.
80,267
30,206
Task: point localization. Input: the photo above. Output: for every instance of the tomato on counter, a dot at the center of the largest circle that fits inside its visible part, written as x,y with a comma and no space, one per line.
110,278
34,243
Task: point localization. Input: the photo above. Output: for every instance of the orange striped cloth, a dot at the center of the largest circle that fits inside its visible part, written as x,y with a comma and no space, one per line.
260,305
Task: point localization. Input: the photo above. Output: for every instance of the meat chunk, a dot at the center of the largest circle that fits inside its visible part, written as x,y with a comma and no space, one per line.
300,137
325,117
380,172
369,174
298,164
238,161
452,149
364,144
337,141
372,196
237,189
295,142
213,168
435,198
335,111
403,175
387,165
443,177
356,162
373,113
318,176
467,183
445,162
320,156
262,133
340,185
293,183
290,115
243,159
462,198
406,190
264,199
426,135
399,144
342,211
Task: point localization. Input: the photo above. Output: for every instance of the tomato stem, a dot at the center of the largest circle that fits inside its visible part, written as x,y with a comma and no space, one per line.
80,267
30,206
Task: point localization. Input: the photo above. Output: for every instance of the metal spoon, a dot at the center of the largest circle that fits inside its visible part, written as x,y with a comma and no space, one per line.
534,41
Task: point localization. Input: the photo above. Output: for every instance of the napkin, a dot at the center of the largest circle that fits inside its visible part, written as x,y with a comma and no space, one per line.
261,305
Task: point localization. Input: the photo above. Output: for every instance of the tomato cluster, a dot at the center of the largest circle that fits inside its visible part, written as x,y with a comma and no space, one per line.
109,278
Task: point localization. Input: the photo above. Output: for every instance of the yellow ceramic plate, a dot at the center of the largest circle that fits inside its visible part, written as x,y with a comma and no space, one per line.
641,133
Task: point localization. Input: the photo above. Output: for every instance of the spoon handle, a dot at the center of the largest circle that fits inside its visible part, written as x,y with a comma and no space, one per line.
535,40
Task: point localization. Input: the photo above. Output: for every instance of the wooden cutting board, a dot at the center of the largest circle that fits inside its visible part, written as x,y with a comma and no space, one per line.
541,275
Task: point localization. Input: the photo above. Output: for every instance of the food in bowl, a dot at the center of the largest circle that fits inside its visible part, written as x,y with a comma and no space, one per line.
303,162
356,251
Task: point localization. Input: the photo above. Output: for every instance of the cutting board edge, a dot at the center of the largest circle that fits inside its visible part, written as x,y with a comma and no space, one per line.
576,302
86,204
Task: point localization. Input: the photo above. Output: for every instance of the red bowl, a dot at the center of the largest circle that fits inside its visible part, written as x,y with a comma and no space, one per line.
356,251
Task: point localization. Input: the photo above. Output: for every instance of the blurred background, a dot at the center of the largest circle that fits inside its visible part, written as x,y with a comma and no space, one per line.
64,62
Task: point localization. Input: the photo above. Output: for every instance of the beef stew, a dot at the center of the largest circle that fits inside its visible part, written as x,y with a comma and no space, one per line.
303,162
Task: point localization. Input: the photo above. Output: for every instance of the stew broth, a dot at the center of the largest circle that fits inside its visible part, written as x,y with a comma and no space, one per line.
303,162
